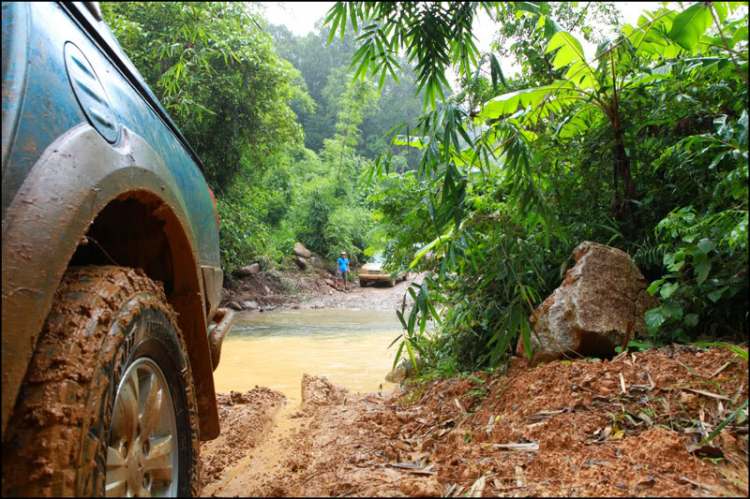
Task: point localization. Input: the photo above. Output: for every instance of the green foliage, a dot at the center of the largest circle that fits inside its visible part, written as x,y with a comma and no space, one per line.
347,230
437,34
217,74
524,37
324,69
508,185
242,235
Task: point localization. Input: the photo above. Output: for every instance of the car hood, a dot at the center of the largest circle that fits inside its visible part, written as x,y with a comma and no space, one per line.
373,267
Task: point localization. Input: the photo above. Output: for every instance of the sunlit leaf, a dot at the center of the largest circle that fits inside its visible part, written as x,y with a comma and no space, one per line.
690,25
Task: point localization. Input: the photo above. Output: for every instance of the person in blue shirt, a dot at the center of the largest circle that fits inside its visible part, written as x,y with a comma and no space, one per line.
343,263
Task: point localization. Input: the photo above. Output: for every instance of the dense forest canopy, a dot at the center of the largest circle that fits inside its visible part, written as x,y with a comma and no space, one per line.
350,138
281,126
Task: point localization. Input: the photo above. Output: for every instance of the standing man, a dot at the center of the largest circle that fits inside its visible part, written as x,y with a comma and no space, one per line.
343,262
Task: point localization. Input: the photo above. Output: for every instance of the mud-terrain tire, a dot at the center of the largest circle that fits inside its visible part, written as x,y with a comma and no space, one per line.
110,342
362,284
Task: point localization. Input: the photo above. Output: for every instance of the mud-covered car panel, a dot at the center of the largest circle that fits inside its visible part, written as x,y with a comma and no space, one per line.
59,173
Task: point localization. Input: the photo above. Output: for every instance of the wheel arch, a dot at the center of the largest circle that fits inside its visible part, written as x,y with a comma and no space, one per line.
112,206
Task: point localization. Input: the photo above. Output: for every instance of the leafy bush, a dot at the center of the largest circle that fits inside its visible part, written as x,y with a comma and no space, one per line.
347,230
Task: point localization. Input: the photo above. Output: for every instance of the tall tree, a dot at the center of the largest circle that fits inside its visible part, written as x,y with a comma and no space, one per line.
216,71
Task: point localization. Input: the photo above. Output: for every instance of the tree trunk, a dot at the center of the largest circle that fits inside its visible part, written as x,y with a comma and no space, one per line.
623,178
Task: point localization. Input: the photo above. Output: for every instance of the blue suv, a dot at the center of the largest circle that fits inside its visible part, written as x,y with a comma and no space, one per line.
110,269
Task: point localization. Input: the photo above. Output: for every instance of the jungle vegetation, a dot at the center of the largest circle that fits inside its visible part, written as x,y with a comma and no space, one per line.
283,129
351,138
642,146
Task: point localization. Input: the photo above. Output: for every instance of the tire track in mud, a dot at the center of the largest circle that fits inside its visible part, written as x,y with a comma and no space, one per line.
555,429
330,444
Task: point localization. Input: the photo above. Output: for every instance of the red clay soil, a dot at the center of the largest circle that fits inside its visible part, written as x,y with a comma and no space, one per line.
626,427
245,421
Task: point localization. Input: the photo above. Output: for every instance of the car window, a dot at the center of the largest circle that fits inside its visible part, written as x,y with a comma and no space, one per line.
377,258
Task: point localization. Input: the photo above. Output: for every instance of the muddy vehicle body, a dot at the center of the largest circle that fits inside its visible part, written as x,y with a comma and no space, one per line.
110,269
373,272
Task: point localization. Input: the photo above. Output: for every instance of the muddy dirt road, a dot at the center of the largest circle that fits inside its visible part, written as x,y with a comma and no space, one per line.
372,297
555,430
626,427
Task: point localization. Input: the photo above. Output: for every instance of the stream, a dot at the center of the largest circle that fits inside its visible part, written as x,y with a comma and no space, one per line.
274,349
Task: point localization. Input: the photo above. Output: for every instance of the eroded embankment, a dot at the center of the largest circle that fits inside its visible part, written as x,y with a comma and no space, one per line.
617,428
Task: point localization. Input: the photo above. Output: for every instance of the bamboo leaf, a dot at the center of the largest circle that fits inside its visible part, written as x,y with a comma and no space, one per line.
689,26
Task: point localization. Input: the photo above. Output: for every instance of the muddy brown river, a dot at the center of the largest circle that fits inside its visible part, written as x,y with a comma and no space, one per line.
274,349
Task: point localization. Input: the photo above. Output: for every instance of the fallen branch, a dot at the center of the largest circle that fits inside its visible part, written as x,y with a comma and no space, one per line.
721,369
707,394
532,446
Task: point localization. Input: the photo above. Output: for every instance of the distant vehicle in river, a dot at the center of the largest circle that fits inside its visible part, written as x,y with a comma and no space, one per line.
372,271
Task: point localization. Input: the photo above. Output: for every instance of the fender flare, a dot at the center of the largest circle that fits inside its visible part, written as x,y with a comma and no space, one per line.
60,198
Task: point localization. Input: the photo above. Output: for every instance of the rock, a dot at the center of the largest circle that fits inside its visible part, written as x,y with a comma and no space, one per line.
404,370
590,312
249,305
301,263
317,262
247,270
268,290
300,250
238,397
317,391
234,305
330,283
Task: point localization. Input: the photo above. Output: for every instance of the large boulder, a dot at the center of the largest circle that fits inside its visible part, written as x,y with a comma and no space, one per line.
247,270
602,297
301,251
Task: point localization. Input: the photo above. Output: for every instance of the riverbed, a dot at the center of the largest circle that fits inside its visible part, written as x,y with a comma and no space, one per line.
274,349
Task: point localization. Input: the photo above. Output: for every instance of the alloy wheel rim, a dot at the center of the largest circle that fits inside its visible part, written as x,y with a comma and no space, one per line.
142,457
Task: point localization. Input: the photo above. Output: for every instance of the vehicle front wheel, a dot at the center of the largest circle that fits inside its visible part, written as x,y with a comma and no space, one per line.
108,403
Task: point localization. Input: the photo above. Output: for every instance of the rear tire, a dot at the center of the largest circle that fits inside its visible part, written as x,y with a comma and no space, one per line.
108,403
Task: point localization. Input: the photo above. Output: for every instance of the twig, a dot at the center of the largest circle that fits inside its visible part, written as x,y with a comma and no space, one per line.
707,394
731,56
518,447
583,13
721,369
310,477
736,396
103,250
710,488
652,471
690,369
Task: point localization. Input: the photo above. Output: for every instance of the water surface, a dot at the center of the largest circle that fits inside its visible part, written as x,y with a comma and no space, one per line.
274,349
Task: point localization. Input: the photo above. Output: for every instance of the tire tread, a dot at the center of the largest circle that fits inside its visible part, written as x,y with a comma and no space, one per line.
51,444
